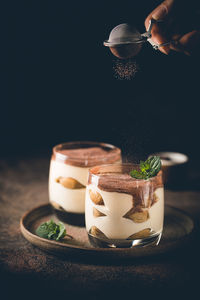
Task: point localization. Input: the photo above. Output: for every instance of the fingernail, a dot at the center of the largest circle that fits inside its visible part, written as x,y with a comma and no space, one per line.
160,12
165,50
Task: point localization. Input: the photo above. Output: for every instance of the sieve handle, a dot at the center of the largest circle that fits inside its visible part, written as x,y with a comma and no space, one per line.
152,21
148,35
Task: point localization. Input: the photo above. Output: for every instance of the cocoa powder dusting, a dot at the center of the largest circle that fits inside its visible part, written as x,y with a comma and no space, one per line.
120,181
87,157
125,69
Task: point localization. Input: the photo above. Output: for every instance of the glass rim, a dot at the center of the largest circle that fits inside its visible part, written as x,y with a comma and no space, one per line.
95,174
64,157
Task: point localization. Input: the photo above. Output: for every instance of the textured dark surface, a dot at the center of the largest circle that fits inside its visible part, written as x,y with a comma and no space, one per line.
25,268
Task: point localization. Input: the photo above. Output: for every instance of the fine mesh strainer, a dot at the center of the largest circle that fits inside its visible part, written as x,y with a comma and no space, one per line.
126,41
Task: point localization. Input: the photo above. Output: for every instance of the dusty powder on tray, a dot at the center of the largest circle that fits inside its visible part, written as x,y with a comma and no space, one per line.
125,69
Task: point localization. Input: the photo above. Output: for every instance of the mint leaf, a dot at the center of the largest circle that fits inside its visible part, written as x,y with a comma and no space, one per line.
62,232
137,174
43,231
148,168
155,165
144,166
52,228
52,231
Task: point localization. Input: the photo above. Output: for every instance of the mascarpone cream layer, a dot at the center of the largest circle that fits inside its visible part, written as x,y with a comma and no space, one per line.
113,225
69,199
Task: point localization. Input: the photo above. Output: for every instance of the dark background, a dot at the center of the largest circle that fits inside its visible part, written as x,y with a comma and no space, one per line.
58,84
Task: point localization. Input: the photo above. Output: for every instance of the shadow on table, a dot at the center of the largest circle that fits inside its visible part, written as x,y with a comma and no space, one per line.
185,252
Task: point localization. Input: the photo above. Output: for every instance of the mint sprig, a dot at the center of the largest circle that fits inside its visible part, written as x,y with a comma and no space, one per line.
51,231
148,168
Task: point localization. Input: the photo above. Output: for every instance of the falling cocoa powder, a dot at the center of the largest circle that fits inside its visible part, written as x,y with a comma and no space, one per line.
125,69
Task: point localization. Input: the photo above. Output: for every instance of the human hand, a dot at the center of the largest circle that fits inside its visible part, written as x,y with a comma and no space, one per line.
174,15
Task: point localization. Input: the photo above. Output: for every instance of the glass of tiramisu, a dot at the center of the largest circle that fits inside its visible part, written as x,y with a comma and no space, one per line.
68,176
122,211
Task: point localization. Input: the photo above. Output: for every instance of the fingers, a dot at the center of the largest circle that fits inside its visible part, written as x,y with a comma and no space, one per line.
188,43
163,32
160,13
159,38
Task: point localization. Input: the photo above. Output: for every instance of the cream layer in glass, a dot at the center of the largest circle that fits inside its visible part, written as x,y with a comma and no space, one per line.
121,207
69,172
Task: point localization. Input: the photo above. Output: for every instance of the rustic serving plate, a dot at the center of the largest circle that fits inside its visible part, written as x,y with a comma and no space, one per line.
178,229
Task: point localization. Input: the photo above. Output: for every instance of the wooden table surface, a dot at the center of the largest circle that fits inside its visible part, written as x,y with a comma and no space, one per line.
25,268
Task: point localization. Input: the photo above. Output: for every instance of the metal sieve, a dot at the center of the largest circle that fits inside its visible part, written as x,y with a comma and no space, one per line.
126,41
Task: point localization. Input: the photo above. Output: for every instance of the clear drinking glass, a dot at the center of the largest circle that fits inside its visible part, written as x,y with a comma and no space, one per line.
122,211
68,176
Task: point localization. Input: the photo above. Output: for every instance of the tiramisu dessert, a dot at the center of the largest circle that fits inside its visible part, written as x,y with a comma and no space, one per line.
121,210
69,173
